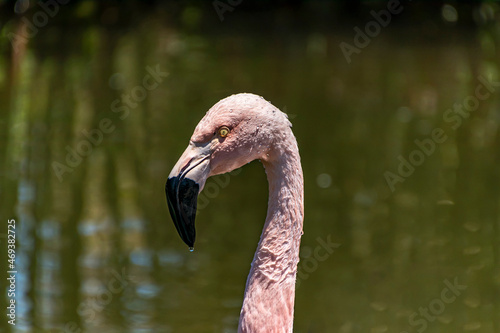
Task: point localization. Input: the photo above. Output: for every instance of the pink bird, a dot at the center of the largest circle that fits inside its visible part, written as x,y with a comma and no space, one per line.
235,131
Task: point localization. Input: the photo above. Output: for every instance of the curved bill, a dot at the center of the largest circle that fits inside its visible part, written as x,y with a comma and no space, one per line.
185,182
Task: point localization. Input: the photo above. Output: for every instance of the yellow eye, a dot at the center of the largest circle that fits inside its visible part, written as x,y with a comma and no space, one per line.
224,131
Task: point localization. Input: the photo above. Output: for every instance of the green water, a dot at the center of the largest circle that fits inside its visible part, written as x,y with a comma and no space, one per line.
93,116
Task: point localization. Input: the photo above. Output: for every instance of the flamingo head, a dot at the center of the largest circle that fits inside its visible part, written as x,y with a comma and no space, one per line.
235,131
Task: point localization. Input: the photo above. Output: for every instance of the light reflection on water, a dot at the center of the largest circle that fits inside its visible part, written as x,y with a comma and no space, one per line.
98,251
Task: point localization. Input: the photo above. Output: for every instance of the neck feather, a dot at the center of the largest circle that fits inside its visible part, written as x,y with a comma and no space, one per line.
270,291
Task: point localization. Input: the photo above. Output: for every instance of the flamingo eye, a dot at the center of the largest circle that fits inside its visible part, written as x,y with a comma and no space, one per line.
224,131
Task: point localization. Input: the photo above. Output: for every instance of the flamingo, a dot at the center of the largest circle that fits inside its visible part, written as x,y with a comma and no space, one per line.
235,131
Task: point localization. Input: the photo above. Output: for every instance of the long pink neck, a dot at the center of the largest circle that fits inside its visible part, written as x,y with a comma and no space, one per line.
270,289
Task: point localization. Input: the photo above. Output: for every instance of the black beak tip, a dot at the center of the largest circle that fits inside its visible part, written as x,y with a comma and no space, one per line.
182,195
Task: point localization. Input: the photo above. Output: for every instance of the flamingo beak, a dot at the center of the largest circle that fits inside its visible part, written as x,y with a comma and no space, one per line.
185,182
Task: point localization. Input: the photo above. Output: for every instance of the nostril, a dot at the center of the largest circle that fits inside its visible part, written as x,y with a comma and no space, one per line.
185,166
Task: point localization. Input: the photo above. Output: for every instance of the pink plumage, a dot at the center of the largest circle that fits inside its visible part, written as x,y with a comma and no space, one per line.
257,130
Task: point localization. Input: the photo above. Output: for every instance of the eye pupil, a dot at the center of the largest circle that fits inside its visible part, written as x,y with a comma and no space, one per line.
223,131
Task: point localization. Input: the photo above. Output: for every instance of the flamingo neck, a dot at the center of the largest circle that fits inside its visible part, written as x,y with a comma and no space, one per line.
270,290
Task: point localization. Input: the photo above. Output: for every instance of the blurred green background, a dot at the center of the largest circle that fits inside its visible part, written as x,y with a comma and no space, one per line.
96,248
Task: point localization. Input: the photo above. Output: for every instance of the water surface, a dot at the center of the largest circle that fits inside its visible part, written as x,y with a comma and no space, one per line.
87,145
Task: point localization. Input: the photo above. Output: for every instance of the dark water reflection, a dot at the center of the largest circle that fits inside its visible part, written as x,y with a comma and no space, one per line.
97,250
